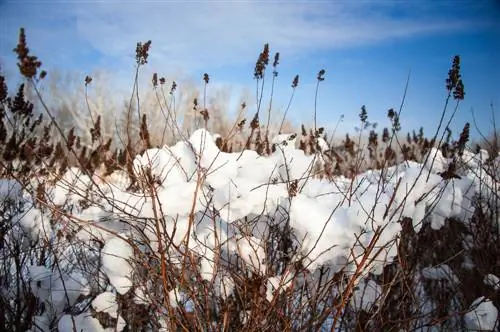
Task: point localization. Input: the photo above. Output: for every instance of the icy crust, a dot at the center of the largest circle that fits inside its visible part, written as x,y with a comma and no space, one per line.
211,200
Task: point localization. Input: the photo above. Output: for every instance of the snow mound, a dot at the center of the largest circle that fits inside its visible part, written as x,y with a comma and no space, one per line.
483,315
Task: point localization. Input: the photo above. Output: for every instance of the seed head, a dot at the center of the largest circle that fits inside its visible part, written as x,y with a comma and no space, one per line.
142,52
262,61
88,80
321,75
295,82
28,64
155,80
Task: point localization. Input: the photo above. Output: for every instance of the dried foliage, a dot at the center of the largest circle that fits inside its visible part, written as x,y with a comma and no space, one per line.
33,154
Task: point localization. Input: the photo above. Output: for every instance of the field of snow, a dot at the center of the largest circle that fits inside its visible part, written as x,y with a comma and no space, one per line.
223,209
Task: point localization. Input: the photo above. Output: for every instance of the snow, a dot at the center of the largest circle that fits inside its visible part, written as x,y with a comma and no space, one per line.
206,201
492,281
440,272
366,295
10,189
114,262
482,315
82,322
106,302
34,223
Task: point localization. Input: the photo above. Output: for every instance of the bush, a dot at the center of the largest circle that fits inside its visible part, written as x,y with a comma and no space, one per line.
243,229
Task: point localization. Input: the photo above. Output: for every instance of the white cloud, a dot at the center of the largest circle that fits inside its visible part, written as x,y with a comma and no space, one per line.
199,34
210,35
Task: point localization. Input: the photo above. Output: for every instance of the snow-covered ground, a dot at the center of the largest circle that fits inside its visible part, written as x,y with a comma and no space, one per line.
208,203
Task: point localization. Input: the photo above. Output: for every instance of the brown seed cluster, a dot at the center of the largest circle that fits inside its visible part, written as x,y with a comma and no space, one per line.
28,64
454,82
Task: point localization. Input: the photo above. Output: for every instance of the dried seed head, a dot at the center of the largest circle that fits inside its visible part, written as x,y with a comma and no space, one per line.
142,52
255,122
162,80
293,188
28,64
321,75
453,74
205,114
391,113
459,93
241,124
155,80
454,82
276,59
3,89
464,138
262,61
363,115
206,78
173,88
295,82
88,80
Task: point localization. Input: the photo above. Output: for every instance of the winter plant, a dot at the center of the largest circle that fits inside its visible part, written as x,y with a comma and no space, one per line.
208,225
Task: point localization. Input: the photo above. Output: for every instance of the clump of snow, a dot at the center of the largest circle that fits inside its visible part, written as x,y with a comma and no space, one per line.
82,322
493,281
10,189
482,315
34,223
366,295
208,203
106,302
71,187
435,161
115,255
440,272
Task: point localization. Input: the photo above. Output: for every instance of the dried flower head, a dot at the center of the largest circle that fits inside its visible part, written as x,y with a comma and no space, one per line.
173,88
363,115
88,80
241,124
293,188
3,89
464,138
262,61
155,80
43,74
255,122
206,78
276,59
162,80
453,74
321,75
454,83
205,115
459,92
391,113
295,82
142,52
28,64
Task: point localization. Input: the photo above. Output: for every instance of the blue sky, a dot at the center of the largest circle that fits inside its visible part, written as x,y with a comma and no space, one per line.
366,47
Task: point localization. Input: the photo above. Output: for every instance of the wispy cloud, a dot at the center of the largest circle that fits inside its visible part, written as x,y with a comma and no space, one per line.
365,46
194,35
